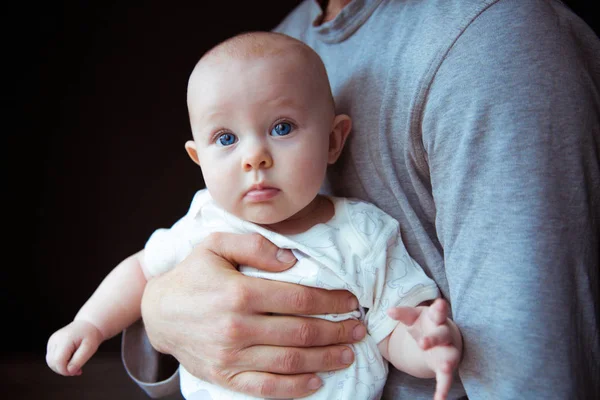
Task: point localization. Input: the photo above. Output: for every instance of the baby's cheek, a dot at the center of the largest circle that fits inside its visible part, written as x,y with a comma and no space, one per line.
221,188
311,171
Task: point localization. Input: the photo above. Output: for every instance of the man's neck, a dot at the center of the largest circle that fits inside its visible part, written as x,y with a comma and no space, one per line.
331,8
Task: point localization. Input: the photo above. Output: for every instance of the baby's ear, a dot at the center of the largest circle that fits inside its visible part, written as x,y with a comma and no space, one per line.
190,147
342,124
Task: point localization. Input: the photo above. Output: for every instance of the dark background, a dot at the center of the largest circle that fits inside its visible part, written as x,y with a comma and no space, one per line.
96,147
94,125
93,143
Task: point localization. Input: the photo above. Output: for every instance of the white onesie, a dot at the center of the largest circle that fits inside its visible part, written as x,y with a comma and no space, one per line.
359,250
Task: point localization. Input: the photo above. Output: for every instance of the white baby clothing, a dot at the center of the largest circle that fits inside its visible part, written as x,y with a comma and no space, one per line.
359,250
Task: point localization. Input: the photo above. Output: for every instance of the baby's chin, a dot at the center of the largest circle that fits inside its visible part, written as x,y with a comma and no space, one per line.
267,215
266,219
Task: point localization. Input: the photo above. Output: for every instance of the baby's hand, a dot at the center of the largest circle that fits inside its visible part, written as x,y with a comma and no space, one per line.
437,336
71,347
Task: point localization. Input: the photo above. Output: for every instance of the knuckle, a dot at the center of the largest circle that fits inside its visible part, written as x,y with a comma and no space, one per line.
307,334
212,240
302,300
257,243
239,296
290,361
343,331
295,386
267,387
233,328
223,360
330,360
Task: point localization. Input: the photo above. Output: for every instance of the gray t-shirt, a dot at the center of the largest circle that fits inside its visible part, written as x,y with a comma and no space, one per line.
476,124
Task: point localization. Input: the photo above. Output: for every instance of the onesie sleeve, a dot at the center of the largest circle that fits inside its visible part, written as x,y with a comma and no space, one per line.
391,277
166,247
157,374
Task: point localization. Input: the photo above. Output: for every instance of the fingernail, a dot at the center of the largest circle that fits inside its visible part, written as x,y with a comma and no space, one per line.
314,383
285,256
347,356
359,332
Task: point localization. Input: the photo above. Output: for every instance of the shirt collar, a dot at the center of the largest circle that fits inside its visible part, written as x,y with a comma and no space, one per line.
352,17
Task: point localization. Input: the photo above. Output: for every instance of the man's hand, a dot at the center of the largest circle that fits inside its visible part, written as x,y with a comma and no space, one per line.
220,325
437,336
72,346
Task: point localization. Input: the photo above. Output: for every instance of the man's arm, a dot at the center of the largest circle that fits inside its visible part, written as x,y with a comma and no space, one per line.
218,323
156,373
512,131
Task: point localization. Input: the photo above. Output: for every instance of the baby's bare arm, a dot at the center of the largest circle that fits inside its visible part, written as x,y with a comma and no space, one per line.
114,305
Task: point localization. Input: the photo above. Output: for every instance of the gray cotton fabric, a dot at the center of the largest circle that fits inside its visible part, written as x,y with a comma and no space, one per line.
477,126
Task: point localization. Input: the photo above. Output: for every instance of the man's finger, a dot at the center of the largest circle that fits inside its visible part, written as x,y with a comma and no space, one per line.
248,249
302,331
289,298
294,360
265,385
284,298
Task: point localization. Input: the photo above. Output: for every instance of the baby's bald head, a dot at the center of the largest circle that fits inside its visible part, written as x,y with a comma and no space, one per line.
257,44
251,46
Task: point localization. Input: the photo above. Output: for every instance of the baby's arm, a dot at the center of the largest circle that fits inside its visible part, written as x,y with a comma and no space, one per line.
112,307
425,344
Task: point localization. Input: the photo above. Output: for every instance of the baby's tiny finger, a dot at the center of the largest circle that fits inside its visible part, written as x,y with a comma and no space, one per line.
443,383
74,370
60,360
86,349
406,315
438,311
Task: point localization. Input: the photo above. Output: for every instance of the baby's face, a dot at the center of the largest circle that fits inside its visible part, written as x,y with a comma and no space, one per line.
261,131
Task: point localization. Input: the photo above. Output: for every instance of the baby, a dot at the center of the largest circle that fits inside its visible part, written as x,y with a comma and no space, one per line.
264,128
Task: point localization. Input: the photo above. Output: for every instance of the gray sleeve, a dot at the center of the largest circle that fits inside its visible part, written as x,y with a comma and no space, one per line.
155,373
511,129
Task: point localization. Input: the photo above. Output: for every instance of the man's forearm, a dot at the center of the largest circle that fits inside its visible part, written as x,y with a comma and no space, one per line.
156,373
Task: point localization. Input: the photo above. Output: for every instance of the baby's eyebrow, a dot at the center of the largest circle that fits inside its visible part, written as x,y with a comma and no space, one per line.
208,122
214,114
284,101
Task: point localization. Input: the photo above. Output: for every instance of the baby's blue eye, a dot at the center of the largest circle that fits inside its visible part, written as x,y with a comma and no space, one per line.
281,129
227,139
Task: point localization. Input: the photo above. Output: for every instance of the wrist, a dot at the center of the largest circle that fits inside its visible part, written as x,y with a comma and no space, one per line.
152,322
97,333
